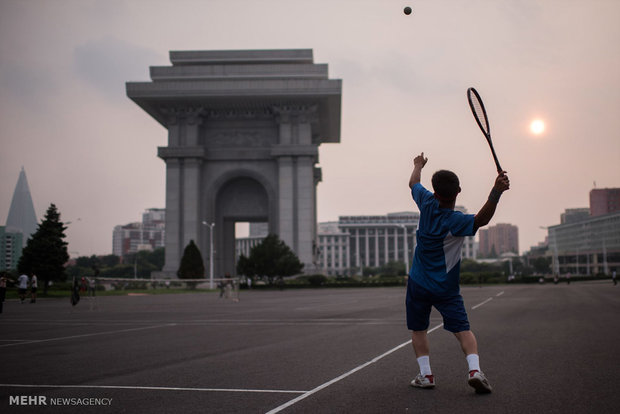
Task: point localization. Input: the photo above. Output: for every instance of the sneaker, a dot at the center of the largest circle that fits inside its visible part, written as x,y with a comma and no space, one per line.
426,381
479,382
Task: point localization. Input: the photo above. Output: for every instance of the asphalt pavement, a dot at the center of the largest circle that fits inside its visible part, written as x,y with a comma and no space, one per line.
545,348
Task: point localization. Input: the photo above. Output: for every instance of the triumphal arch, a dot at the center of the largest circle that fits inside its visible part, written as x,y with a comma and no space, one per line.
244,127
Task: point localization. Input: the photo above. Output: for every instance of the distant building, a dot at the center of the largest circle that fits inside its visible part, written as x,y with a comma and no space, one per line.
11,244
498,239
21,223
377,240
604,201
149,234
243,245
334,249
587,247
573,215
353,243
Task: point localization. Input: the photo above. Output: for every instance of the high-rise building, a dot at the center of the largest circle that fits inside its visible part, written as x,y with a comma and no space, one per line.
21,223
498,239
21,216
604,201
149,234
11,244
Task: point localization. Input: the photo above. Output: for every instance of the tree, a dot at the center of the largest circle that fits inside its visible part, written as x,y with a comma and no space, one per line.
541,265
270,258
393,268
191,266
46,253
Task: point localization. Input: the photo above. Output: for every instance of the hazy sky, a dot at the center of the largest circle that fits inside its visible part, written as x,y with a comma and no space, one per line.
86,147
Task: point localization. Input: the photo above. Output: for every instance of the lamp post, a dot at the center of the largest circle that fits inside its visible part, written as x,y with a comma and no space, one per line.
210,225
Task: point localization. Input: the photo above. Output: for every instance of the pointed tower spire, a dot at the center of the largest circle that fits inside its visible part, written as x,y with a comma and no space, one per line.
21,214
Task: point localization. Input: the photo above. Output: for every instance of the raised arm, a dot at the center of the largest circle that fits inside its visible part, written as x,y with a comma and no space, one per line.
418,163
488,209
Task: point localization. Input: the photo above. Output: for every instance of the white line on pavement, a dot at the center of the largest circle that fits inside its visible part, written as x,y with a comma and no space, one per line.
129,387
482,303
36,341
346,374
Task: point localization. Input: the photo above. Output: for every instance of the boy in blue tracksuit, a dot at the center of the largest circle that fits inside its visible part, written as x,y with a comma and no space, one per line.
434,276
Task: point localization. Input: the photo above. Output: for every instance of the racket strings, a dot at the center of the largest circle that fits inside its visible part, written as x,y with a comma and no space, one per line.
480,114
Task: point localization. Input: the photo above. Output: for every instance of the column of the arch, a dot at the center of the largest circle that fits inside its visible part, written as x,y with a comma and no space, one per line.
286,198
305,227
173,200
191,184
173,204
286,190
305,186
191,201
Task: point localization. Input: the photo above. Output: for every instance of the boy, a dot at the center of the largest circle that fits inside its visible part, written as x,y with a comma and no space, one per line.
22,286
434,276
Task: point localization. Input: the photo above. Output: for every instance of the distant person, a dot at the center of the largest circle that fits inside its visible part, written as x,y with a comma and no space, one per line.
34,285
222,287
91,286
75,292
22,286
435,273
613,278
568,278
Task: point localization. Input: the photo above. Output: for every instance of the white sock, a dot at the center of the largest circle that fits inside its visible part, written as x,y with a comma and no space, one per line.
425,365
474,362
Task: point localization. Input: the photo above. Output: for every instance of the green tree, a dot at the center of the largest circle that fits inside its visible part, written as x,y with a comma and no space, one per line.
45,253
192,266
271,258
541,265
109,260
393,268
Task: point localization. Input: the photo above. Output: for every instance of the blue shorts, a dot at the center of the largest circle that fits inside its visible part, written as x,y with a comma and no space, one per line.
419,303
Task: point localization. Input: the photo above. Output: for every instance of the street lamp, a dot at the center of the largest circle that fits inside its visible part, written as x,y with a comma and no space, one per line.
210,225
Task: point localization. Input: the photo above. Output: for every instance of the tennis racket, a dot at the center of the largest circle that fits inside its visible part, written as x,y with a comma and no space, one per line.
480,114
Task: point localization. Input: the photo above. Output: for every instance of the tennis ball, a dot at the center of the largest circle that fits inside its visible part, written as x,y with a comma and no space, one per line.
407,10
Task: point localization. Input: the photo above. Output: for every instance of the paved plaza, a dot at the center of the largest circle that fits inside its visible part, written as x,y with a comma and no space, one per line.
546,349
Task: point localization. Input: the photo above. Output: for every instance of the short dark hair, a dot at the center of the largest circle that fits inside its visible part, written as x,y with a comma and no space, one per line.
446,185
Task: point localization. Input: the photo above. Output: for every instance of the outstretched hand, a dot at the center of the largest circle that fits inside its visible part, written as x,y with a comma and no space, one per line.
420,161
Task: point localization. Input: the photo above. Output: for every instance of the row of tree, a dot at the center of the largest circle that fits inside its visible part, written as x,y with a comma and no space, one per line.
270,259
46,255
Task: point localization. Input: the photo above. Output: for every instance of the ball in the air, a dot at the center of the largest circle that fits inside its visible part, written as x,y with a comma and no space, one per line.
407,10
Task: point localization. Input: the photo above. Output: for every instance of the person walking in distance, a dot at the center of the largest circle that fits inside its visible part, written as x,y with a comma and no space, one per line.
34,285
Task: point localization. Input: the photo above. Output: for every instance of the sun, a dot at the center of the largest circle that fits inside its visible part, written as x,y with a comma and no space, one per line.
537,126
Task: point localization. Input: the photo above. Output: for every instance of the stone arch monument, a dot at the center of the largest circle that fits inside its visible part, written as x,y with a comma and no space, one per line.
244,129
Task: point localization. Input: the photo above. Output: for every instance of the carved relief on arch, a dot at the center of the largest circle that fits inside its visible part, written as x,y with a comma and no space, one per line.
192,115
301,113
240,113
244,138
